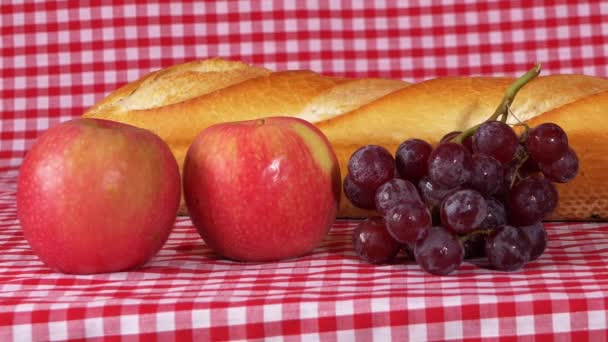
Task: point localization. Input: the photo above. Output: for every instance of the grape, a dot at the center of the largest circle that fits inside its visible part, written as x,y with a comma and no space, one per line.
474,245
488,175
562,170
463,211
497,215
373,243
546,142
370,166
508,248
531,200
530,165
411,159
495,139
438,251
394,192
475,242
467,142
405,221
512,175
538,238
450,165
431,193
360,197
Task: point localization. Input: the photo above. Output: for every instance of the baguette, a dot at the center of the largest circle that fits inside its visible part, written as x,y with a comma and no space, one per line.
178,102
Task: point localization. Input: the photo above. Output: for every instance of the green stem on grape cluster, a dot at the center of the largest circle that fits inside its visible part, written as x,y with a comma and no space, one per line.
465,134
470,235
503,118
524,135
503,107
518,166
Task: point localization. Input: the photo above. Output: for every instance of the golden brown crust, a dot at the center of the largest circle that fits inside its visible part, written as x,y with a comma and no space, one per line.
446,104
192,96
348,96
175,84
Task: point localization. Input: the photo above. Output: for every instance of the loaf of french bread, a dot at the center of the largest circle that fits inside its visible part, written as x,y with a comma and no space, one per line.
178,102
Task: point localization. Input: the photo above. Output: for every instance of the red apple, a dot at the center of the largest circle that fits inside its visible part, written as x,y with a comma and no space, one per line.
262,190
97,196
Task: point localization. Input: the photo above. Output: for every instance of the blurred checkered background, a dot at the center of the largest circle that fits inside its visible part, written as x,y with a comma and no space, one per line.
59,58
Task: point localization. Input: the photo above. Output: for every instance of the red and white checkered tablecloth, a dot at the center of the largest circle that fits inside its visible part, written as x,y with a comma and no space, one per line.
58,58
187,292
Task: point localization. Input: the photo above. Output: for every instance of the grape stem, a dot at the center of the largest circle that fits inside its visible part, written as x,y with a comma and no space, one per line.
470,235
524,135
503,107
518,166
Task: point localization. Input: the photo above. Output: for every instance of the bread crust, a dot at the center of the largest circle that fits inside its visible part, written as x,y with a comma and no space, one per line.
356,112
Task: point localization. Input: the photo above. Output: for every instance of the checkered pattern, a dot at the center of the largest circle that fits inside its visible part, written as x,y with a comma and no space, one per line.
187,292
58,58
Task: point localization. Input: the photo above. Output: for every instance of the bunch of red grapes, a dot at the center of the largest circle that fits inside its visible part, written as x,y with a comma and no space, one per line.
475,195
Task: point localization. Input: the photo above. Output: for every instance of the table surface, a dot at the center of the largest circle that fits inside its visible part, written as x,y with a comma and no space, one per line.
59,58
188,292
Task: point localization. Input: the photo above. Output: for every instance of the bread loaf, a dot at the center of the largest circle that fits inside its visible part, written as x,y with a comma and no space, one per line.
178,102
